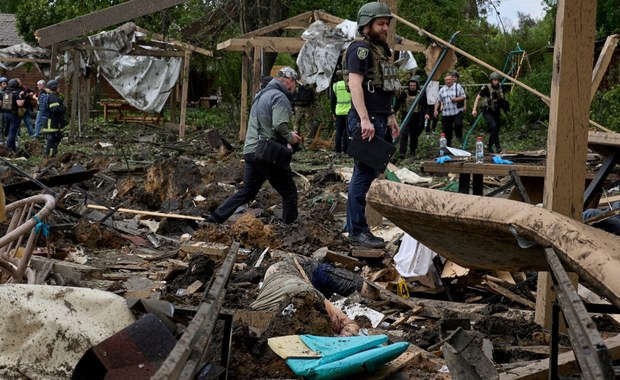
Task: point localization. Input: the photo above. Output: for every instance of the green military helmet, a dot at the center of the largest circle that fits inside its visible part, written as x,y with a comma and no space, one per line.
370,11
494,75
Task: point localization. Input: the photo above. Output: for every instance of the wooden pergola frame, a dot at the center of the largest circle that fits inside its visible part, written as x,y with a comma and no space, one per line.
256,42
62,37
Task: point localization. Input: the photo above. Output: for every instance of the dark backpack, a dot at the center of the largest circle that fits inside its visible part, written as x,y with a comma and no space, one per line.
7,101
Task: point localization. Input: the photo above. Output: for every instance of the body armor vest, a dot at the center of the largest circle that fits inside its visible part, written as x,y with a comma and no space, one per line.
496,95
409,102
383,75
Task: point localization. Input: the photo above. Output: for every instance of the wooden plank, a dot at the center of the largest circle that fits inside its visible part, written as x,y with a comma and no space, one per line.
32,60
567,139
493,170
245,74
256,72
149,213
75,94
510,295
347,261
306,17
603,62
83,25
539,370
171,41
184,91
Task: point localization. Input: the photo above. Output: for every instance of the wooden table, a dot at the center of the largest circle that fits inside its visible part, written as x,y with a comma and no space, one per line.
532,176
121,107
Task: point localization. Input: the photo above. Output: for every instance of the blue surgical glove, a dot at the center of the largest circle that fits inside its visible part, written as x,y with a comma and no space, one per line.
499,160
443,159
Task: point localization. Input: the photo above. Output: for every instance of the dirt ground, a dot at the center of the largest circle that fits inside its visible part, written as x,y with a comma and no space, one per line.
190,179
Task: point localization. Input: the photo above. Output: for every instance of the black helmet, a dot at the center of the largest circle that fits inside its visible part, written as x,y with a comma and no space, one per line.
13,83
455,74
495,75
52,85
370,11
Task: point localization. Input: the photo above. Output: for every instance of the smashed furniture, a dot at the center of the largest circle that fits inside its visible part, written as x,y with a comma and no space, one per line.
490,233
24,228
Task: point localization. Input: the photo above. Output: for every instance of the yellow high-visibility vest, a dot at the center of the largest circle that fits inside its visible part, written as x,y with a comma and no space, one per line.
343,98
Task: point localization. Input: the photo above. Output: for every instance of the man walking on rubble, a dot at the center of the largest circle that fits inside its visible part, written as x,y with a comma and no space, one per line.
372,80
450,104
269,119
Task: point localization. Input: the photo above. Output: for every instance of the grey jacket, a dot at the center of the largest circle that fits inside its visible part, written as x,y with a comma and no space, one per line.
271,112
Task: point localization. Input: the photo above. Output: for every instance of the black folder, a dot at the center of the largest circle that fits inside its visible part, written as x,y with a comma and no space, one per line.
375,153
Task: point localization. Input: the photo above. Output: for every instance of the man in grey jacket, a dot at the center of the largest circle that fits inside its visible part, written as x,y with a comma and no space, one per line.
269,119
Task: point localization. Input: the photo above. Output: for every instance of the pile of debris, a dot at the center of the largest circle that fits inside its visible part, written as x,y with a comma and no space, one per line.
135,229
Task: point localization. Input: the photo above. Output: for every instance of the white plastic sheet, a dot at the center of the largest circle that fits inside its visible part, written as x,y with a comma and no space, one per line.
413,258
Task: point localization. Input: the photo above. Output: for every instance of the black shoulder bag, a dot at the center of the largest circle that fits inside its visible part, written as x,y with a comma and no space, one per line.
271,150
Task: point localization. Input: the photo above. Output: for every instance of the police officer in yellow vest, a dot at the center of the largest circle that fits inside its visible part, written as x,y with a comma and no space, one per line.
492,101
56,113
372,80
340,105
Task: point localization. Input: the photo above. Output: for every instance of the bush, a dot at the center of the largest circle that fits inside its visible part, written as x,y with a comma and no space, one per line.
525,107
606,108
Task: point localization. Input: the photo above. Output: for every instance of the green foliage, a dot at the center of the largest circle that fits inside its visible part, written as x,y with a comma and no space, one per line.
527,108
606,108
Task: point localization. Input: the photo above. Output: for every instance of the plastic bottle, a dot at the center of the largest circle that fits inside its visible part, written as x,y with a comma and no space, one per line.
479,151
442,145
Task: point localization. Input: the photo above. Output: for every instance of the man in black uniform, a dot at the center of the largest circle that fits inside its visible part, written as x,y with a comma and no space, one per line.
492,103
412,131
372,80
56,112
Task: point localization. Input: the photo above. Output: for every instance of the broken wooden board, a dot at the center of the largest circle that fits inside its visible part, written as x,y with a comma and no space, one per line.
489,233
215,250
367,253
539,370
257,320
347,261
68,270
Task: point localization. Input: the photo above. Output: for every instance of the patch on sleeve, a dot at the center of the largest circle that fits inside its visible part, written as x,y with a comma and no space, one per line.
362,53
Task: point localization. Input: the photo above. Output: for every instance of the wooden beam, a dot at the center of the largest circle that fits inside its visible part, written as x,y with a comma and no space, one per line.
155,53
83,25
245,75
305,19
603,62
256,69
567,365
393,5
75,93
171,41
184,93
567,140
327,18
275,44
31,60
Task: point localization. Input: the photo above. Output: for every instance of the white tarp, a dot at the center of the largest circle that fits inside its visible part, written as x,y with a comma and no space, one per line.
45,330
318,57
145,82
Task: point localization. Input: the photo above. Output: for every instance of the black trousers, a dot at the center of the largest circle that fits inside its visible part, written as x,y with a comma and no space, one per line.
410,133
493,120
254,175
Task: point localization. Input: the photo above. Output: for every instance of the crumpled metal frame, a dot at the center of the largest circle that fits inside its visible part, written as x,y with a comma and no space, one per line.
22,233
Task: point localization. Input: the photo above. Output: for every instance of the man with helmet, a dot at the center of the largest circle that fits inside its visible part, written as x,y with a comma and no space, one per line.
11,101
491,99
56,119
372,80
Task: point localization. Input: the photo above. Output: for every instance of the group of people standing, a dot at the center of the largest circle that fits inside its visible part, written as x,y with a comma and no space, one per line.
17,104
361,103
